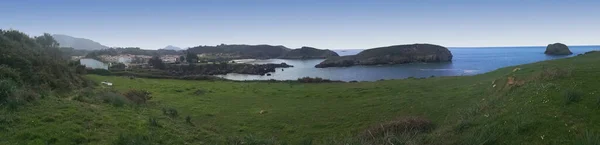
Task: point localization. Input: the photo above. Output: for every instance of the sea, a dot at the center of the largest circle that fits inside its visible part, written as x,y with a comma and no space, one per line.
466,61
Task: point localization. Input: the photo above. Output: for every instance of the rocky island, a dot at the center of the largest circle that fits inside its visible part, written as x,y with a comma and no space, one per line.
309,53
557,49
397,54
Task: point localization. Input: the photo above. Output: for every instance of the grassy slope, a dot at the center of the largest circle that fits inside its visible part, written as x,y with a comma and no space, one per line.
466,110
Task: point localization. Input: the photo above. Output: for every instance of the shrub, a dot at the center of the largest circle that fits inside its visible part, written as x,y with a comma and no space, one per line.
313,80
572,96
598,102
152,121
171,112
7,89
138,96
113,98
407,125
587,138
9,73
132,139
188,119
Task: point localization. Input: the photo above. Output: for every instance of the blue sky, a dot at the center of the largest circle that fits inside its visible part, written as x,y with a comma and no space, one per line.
347,24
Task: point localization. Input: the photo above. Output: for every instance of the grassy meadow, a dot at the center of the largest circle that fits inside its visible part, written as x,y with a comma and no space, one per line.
550,102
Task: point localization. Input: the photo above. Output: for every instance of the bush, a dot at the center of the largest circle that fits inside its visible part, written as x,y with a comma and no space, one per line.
113,98
9,73
138,96
171,112
132,139
7,90
188,119
598,102
407,125
152,121
313,80
587,138
572,96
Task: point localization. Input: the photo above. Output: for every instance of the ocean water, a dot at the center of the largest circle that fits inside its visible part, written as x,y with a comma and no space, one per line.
466,61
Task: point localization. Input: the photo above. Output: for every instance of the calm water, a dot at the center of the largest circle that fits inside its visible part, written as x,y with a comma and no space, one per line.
466,61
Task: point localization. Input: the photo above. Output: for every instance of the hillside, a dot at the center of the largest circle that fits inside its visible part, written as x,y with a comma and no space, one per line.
309,53
77,43
241,51
550,102
397,54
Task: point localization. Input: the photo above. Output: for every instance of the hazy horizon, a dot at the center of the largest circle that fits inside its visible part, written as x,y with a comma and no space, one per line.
320,24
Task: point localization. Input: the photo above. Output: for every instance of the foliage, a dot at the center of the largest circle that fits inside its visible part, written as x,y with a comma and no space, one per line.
191,57
240,51
181,59
35,65
131,51
572,96
7,89
157,63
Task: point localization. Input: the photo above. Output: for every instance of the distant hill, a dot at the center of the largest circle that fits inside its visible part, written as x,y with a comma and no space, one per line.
78,43
171,47
309,53
241,51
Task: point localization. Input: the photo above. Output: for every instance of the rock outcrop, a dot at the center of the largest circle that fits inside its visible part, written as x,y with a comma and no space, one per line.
558,49
309,53
398,54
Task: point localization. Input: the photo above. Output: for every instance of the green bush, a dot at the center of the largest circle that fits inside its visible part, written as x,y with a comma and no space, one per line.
572,96
9,73
138,96
152,121
188,119
113,98
7,90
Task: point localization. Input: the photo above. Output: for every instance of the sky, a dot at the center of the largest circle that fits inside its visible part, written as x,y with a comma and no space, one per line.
327,24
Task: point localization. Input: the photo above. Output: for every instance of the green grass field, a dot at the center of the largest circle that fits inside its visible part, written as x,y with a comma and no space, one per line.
551,102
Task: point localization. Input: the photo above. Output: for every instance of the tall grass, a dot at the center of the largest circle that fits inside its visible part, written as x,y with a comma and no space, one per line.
572,96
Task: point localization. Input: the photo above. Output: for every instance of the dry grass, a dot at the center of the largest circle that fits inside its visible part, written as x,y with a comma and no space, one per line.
402,131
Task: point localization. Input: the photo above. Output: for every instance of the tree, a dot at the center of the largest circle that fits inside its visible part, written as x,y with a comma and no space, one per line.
46,41
181,58
118,66
192,58
156,62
